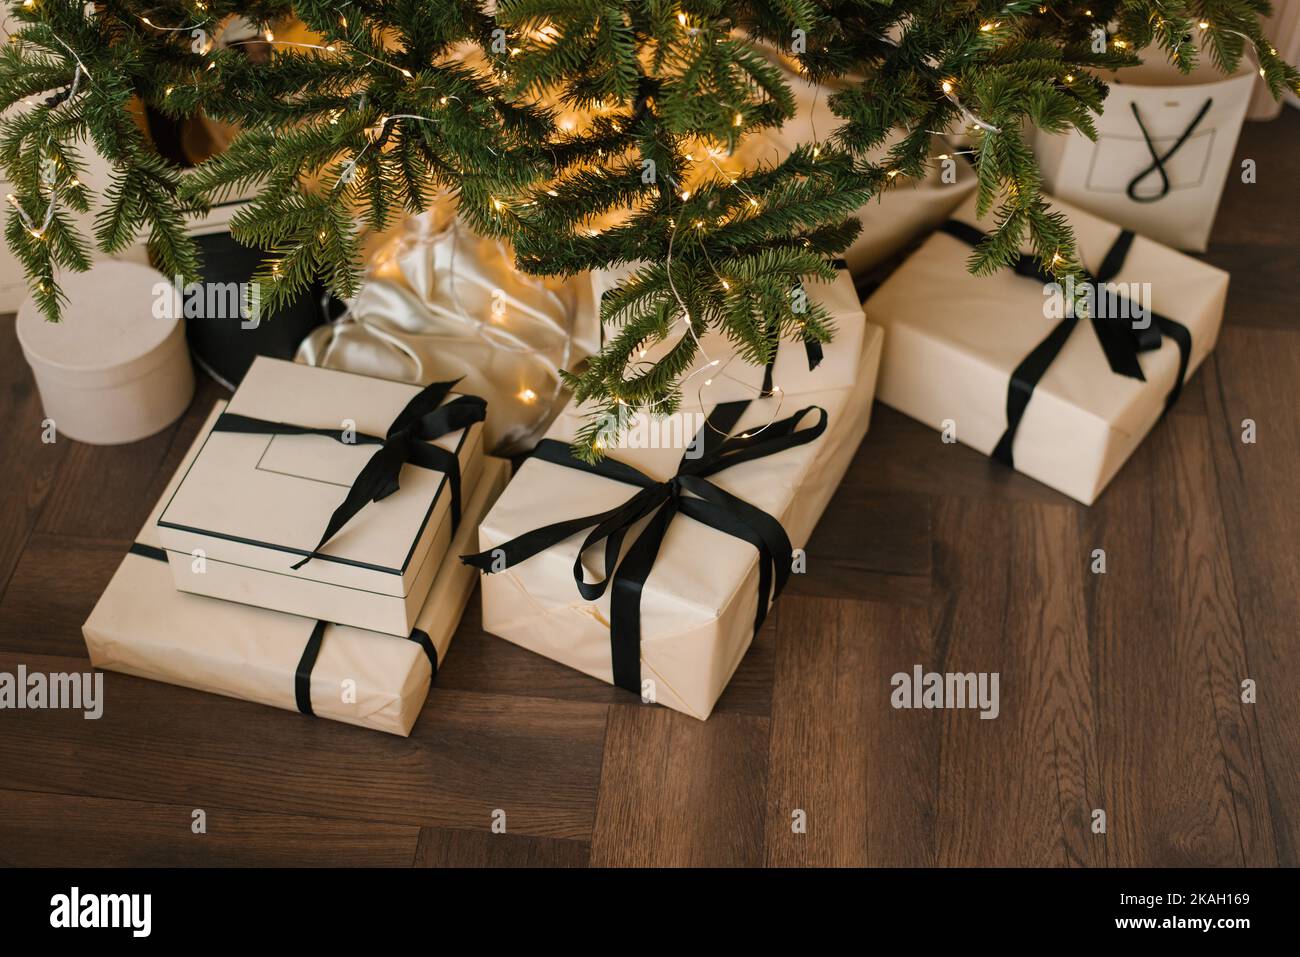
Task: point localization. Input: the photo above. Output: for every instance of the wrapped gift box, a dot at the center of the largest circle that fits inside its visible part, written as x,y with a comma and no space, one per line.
143,626
698,603
794,371
955,340
257,497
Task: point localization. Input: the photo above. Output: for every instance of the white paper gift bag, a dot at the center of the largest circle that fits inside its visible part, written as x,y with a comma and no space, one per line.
997,360
687,552
143,626
1165,146
289,506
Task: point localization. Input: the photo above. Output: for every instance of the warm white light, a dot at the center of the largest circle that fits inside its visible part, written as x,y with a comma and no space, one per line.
527,395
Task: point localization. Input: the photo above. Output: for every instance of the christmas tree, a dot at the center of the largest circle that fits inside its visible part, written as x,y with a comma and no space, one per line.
388,102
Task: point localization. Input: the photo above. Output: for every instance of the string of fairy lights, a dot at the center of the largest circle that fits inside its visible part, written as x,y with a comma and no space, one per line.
710,367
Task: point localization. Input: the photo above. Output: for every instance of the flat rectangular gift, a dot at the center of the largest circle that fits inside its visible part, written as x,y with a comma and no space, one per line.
289,506
799,367
142,626
699,538
1000,361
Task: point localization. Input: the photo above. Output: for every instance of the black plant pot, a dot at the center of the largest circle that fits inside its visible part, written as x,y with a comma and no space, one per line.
224,345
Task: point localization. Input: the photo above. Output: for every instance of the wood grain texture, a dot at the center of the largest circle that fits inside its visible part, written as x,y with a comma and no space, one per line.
851,781
675,791
1014,790
1168,591
1119,692
440,847
61,830
1256,375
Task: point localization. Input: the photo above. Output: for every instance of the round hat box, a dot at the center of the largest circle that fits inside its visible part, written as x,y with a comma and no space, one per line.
111,371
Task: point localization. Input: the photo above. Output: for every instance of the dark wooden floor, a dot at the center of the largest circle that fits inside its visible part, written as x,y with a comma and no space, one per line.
1120,691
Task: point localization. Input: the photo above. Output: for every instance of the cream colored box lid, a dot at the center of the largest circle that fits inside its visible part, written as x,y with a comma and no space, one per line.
108,333
276,493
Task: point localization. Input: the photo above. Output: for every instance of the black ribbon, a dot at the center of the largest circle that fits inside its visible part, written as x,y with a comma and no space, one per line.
306,663
424,419
1120,342
310,652
811,347
660,502
1158,161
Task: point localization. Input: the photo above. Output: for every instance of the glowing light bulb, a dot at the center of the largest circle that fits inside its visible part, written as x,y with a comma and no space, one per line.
1204,24
947,86
738,120
527,395
681,18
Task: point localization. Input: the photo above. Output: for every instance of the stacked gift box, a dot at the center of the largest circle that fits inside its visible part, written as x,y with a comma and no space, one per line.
319,542
304,554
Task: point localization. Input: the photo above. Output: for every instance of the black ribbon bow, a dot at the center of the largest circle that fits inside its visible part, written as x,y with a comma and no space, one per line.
311,650
424,419
1120,341
1158,161
688,492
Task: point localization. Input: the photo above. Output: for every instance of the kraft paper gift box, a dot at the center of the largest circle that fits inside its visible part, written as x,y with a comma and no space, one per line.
292,456
797,368
698,603
955,342
143,626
